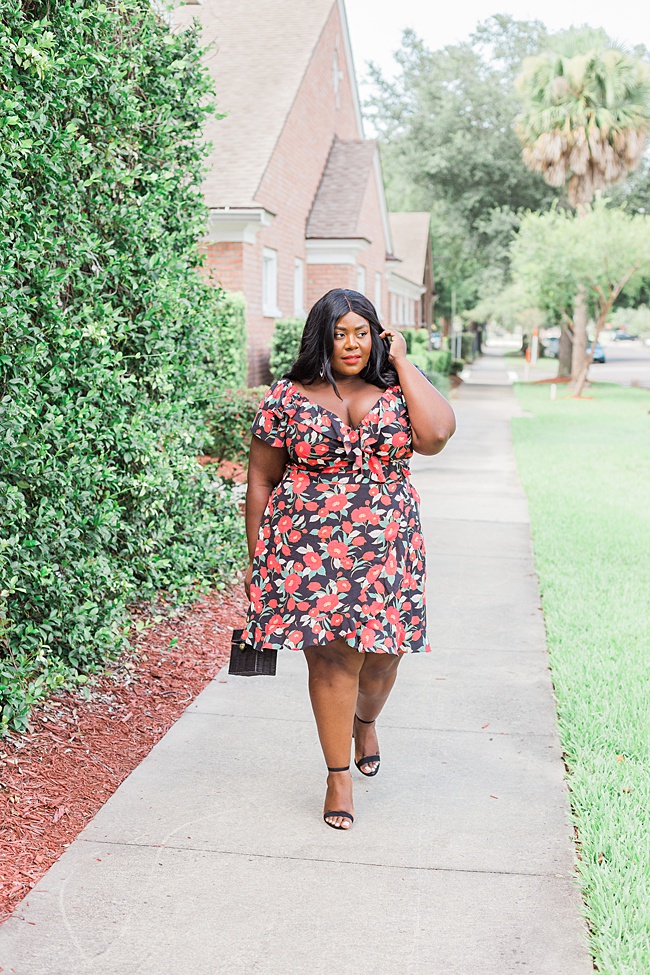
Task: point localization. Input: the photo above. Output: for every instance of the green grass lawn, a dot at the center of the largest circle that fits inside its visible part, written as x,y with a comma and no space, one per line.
585,465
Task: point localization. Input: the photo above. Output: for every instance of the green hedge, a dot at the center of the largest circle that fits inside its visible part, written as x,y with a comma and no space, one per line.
111,347
225,344
229,421
285,345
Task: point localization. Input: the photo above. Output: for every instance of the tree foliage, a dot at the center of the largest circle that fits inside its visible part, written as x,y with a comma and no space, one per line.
558,255
109,343
586,113
447,143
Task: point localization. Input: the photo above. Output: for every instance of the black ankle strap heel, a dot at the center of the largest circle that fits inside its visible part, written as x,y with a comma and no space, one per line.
367,759
338,812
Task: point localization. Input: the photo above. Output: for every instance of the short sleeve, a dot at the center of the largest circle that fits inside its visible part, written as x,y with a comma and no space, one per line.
270,423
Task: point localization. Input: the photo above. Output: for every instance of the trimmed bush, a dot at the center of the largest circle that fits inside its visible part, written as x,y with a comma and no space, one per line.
111,347
229,422
225,346
285,345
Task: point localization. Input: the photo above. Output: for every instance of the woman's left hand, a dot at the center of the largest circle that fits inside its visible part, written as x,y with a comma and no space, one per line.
397,348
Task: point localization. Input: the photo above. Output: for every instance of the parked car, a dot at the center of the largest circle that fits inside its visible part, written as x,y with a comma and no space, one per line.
552,349
599,352
620,335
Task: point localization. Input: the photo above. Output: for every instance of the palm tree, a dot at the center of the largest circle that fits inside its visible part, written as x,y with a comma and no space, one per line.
584,125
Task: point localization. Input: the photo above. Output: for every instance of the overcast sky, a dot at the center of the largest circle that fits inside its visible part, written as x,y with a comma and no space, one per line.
376,25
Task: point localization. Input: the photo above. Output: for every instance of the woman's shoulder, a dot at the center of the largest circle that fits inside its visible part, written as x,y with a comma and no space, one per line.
278,394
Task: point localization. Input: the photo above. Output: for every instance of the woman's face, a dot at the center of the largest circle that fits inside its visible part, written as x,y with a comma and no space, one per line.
352,345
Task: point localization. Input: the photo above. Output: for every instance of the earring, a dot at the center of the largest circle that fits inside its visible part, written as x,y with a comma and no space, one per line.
322,373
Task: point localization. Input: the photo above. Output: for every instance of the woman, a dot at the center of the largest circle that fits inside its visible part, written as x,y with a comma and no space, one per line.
337,559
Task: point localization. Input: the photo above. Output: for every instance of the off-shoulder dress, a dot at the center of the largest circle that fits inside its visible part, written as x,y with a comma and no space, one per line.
340,551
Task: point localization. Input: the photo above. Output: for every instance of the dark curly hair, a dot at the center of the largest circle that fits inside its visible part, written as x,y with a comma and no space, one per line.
317,345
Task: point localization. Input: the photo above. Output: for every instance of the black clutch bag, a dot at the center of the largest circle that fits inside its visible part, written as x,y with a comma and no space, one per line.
247,662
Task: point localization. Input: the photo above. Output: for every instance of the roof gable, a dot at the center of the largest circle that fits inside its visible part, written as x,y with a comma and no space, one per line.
410,233
257,52
338,202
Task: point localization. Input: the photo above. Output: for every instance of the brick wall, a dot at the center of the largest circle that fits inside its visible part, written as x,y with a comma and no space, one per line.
373,259
291,180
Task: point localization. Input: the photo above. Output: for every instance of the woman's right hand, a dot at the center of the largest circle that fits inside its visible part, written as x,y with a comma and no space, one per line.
247,579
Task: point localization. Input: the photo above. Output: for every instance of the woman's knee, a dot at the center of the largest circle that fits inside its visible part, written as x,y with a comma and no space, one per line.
333,658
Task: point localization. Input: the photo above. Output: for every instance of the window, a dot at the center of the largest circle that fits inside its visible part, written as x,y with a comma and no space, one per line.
361,280
270,283
378,293
298,288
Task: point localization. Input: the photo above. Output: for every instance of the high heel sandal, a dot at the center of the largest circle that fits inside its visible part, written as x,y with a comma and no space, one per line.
367,759
338,812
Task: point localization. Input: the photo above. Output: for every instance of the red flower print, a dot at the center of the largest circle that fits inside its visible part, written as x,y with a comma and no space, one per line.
337,550
347,527
416,540
392,615
336,502
390,565
275,623
294,536
301,449
399,439
273,563
284,524
374,573
299,481
325,531
358,540
292,582
369,556
327,603
336,619
360,515
259,547
391,531
315,586
313,561
367,637
343,584
347,564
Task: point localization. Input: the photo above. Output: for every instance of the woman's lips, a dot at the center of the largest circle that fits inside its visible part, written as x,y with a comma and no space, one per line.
351,358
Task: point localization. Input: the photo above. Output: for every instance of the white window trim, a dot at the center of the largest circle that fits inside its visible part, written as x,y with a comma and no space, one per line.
299,274
361,279
270,284
378,293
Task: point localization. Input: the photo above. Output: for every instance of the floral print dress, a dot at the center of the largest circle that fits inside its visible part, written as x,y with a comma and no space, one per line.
340,550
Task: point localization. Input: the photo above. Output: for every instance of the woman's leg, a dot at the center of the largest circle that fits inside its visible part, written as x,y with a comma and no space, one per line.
333,689
376,679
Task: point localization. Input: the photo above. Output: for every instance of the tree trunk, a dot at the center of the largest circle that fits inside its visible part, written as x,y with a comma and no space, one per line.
564,354
579,353
446,326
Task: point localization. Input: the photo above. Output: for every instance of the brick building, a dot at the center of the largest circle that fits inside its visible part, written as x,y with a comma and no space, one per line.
295,191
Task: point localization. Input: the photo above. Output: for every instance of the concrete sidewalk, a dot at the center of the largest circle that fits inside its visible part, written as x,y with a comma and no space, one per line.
212,857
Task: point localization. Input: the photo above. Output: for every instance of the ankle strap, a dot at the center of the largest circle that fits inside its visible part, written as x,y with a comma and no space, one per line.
364,722
344,769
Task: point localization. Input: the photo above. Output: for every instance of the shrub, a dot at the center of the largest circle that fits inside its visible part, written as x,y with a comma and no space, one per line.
285,345
110,342
229,420
225,346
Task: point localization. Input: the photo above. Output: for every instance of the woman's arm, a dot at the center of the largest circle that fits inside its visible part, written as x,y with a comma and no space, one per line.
266,466
432,418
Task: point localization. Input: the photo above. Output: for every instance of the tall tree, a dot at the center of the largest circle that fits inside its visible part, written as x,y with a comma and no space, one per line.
602,254
584,124
445,130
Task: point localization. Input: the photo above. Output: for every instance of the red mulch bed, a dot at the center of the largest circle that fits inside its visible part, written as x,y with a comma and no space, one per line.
44,800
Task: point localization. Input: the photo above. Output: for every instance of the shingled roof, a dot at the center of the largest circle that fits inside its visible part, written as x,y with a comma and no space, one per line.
258,51
410,233
337,207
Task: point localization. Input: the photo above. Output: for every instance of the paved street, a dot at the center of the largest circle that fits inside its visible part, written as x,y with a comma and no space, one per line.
212,856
